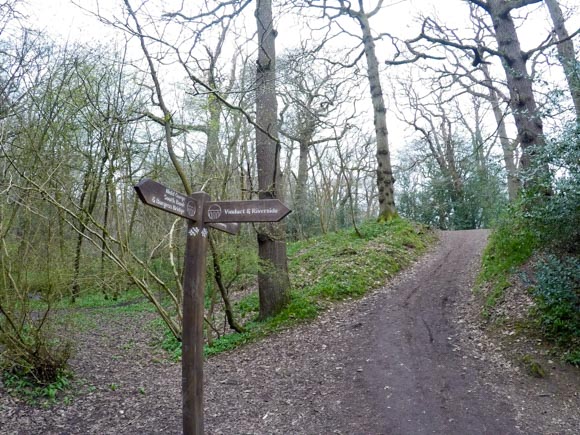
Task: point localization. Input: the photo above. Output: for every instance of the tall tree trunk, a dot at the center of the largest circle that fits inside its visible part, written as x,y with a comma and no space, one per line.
527,118
273,279
217,270
90,190
211,167
567,54
385,179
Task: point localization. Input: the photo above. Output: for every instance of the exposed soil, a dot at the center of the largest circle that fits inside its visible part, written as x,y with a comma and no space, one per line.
410,358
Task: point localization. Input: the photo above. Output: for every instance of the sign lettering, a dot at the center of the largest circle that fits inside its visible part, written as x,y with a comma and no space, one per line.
260,210
164,198
157,195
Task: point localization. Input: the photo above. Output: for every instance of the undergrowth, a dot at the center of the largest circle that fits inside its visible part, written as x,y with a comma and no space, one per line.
510,245
35,347
33,392
557,296
539,239
552,278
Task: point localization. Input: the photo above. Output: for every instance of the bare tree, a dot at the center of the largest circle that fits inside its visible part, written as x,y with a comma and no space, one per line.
522,100
385,179
273,280
508,146
436,128
312,92
514,60
478,81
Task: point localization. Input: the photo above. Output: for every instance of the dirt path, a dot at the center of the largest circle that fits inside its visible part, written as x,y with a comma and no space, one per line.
402,360
415,379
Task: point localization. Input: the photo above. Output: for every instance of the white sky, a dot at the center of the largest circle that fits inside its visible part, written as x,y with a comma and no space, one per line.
64,20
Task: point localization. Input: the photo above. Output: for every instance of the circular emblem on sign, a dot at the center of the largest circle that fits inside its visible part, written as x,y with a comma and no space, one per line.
191,208
214,212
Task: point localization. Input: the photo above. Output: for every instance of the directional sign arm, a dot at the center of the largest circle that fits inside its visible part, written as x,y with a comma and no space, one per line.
261,210
159,196
138,188
221,215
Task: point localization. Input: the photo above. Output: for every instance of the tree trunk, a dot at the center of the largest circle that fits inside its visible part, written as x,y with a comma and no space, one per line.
528,122
513,182
90,190
217,270
211,167
385,180
300,192
273,280
567,55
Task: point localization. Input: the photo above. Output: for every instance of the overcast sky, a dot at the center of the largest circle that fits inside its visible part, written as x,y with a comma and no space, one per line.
64,20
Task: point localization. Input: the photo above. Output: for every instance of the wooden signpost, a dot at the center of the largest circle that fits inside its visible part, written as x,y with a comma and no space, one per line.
201,213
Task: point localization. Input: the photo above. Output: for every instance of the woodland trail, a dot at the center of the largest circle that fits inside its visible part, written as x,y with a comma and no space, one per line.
402,360
417,380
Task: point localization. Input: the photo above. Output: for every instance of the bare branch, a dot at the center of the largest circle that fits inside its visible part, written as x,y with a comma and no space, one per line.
550,41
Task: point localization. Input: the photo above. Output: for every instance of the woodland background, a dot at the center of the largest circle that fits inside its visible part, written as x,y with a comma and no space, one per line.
194,95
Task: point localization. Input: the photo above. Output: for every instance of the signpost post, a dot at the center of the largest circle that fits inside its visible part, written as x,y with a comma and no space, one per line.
201,213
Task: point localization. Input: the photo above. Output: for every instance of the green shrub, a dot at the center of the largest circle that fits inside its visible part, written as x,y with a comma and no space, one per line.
33,363
544,222
32,346
555,217
573,357
510,245
229,342
557,296
32,352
